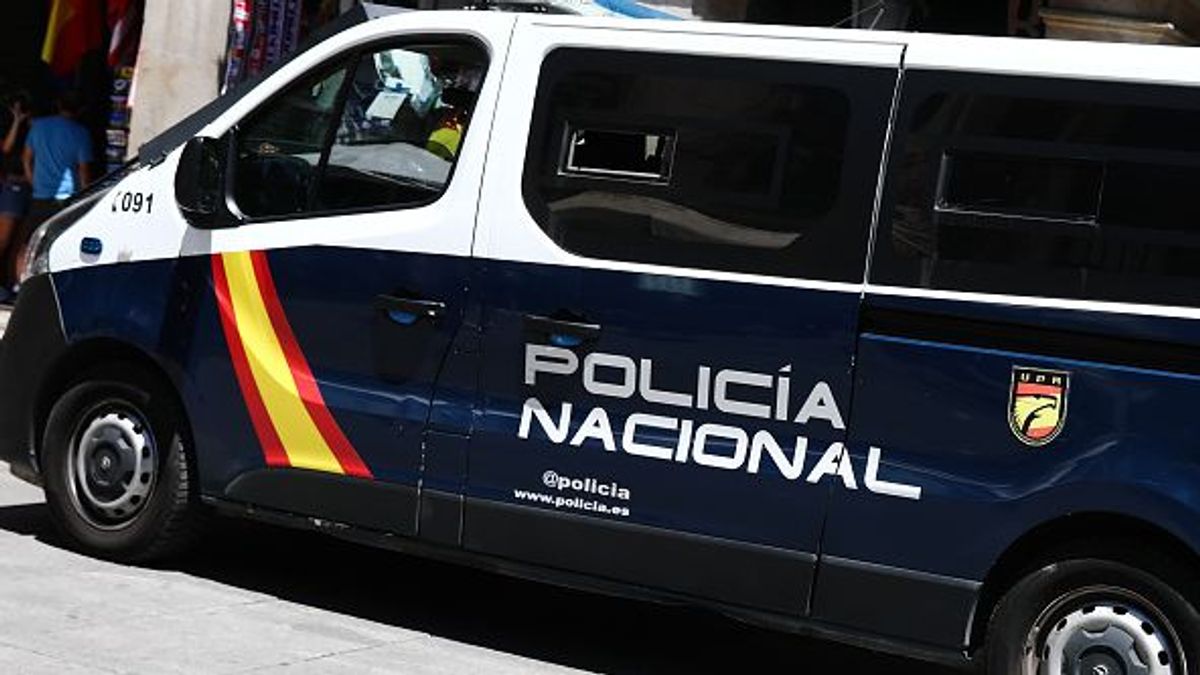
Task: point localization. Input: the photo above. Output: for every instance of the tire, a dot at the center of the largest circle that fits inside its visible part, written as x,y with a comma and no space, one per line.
117,472
1083,615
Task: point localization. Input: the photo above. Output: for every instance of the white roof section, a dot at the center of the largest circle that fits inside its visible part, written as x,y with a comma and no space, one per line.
1103,61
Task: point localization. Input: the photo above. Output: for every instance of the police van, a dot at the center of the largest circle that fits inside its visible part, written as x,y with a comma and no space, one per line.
887,338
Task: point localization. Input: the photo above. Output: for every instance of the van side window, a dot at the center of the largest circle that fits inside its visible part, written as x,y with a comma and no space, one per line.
279,147
1035,187
764,167
381,130
405,116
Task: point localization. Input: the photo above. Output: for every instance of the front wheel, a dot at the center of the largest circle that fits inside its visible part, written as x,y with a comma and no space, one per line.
1093,617
117,476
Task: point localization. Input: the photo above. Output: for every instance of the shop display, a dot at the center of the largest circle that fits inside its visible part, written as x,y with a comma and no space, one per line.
262,33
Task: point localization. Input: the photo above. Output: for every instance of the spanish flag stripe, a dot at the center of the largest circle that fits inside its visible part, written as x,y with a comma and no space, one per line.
1031,389
306,384
271,445
305,446
60,15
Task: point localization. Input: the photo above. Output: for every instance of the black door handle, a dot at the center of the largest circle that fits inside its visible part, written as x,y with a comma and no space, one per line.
407,311
562,332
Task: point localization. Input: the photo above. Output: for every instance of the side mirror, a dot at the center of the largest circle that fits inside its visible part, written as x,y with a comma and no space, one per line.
200,184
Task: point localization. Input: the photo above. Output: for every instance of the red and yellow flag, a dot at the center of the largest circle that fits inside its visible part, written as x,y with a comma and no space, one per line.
289,414
75,28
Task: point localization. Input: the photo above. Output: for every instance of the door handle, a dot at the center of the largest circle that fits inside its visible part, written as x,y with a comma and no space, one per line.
407,311
562,332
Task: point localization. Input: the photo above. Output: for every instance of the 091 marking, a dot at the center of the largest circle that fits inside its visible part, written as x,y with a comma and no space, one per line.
133,202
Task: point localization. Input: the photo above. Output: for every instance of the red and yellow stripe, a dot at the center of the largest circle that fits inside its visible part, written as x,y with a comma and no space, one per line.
293,424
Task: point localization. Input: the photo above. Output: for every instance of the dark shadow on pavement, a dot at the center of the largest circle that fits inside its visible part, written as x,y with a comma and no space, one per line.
538,621
27,519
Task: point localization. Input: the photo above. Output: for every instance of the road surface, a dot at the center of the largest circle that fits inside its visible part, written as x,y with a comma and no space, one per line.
269,600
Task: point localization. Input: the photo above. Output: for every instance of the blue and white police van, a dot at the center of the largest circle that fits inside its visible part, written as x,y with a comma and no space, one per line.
887,338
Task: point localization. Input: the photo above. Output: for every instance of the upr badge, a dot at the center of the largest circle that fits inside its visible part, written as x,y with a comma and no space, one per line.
1037,404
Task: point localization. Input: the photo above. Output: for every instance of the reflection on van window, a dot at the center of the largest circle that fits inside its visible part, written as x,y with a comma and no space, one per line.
402,127
1045,188
382,130
704,162
279,148
1034,187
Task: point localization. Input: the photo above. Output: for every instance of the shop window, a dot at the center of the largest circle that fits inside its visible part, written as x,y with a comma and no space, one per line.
707,162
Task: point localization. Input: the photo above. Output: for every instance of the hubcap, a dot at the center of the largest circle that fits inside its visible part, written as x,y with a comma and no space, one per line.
1121,634
112,466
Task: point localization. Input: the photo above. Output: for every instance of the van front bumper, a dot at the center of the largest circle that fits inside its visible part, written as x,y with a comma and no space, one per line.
32,344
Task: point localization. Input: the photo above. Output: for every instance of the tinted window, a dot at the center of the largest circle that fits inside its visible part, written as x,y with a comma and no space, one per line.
381,129
752,166
1034,187
279,147
1047,188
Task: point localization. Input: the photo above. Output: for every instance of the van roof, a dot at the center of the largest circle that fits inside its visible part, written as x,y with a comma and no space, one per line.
1158,64
1104,61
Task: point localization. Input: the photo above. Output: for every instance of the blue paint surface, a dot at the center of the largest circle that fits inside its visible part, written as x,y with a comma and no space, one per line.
763,329
376,376
940,412
937,409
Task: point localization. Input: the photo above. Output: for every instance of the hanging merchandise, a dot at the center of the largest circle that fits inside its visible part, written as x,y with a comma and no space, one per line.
117,135
283,30
291,25
263,33
125,27
75,28
274,33
240,28
258,43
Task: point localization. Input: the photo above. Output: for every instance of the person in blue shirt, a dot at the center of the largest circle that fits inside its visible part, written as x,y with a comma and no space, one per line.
57,160
58,152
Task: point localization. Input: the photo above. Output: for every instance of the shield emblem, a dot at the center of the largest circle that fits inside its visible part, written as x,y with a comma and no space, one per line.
1037,404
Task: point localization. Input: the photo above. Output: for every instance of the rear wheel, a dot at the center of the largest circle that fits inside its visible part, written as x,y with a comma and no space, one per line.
117,474
1094,617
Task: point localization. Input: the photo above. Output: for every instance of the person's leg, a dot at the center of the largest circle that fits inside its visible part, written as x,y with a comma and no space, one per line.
8,225
14,204
40,210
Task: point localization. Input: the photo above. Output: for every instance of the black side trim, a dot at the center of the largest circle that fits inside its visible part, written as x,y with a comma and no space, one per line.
369,504
441,517
736,573
1031,339
899,603
568,579
32,343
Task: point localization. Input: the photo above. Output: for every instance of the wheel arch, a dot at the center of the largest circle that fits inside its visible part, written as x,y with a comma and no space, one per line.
85,357
1079,533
